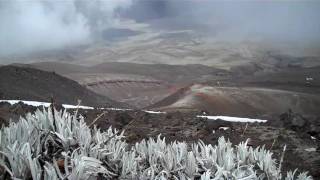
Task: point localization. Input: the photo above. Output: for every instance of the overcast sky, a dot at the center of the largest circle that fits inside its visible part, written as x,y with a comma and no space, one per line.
29,25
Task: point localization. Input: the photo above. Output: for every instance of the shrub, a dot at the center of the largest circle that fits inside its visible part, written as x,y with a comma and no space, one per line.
41,146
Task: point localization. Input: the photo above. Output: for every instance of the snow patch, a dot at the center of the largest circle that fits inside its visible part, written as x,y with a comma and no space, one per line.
154,112
116,109
309,79
233,119
311,149
224,128
45,104
68,106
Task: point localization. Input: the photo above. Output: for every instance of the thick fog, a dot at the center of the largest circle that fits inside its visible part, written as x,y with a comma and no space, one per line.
231,19
29,25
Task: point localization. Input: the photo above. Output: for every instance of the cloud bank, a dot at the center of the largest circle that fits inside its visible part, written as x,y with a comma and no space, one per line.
28,25
232,20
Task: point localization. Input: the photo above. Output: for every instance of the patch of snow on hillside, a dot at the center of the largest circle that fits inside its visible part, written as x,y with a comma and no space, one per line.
68,106
154,112
310,149
45,104
31,103
116,109
224,128
233,119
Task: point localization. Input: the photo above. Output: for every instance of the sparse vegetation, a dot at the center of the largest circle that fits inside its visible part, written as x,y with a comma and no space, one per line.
41,146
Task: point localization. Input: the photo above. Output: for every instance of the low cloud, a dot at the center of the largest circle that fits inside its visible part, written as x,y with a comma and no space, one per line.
29,25
234,20
35,25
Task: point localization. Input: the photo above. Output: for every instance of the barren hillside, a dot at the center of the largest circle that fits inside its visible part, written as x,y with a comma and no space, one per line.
33,84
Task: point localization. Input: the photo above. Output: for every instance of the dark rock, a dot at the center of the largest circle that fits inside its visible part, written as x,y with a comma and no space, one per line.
123,118
314,130
298,121
215,125
5,105
294,121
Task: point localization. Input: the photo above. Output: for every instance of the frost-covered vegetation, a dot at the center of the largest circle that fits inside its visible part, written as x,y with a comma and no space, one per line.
62,146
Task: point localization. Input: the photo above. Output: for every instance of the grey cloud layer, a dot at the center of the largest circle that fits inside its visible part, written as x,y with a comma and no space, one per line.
277,20
28,25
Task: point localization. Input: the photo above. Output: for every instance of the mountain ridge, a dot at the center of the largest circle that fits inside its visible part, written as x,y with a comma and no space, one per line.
25,83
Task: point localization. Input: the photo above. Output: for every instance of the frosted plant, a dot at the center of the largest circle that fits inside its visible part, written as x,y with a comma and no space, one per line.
303,176
84,167
50,172
41,146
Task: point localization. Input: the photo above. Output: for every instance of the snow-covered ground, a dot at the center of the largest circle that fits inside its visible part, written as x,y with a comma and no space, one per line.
233,119
68,106
45,104
154,112
116,109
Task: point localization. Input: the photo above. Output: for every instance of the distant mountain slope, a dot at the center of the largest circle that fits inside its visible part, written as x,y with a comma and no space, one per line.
58,67
137,84
240,101
164,72
32,84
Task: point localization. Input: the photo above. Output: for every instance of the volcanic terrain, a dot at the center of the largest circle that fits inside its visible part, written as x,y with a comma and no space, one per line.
24,83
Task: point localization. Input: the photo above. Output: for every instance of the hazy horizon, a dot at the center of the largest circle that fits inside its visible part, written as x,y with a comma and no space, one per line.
42,25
